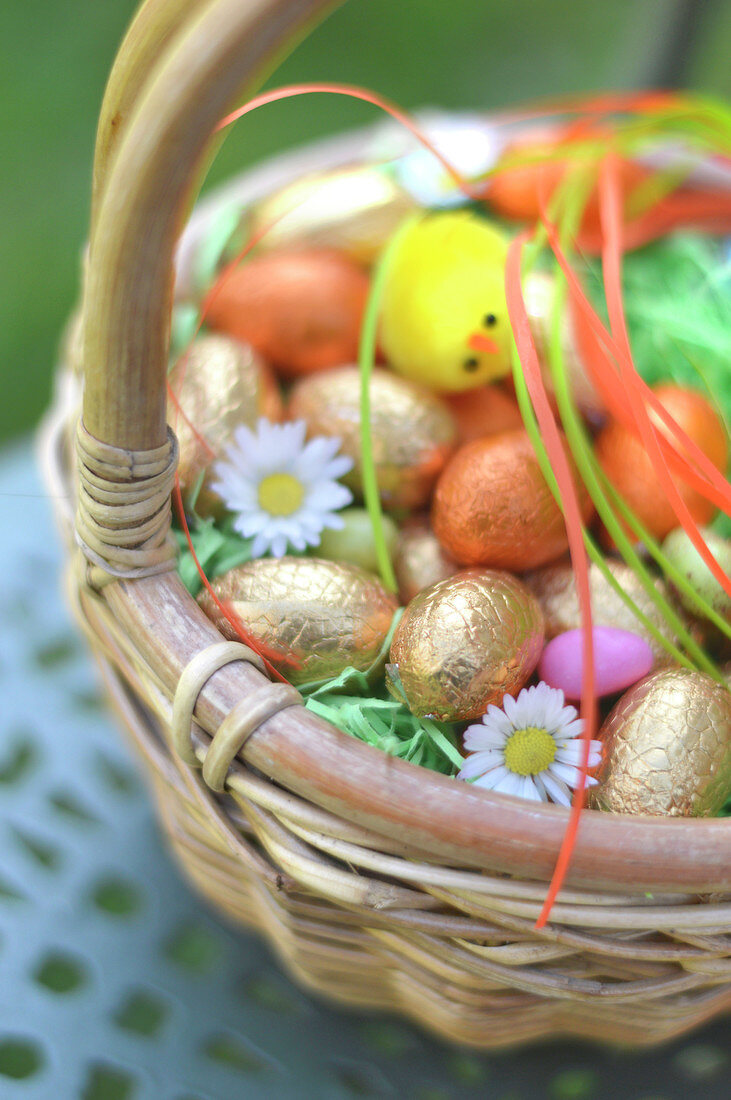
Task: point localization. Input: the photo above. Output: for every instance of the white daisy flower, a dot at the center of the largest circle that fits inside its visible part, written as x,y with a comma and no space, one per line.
531,748
283,491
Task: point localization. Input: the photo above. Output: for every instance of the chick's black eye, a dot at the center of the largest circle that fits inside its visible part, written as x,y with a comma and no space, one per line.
471,363
489,320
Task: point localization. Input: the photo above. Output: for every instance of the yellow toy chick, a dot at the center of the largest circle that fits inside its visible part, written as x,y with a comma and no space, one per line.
444,320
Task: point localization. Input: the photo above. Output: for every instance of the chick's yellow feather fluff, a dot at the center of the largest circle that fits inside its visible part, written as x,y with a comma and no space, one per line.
444,285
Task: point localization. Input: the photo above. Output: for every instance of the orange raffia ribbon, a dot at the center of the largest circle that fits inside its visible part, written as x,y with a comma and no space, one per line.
612,270
528,354
609,363
225,609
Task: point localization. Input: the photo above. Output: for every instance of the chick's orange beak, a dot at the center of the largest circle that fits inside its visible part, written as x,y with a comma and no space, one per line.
478,342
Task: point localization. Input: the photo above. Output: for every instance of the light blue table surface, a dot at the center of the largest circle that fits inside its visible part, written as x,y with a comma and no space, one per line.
117,983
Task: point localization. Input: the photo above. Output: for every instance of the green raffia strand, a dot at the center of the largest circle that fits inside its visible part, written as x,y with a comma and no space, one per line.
218,548
366,360
349,703
352,679
184,323
674,575
387,725
668,342
592,476
592,549
582,450
583,456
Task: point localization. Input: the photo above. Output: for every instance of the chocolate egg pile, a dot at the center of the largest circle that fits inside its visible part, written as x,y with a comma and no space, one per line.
425,549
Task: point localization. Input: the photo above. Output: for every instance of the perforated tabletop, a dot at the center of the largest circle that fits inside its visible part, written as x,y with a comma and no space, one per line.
119,984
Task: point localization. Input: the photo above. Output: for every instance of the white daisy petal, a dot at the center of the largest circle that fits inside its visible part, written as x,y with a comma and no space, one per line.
574,754
480,763
339,466
328,495
281,449
541,708
259,546
509,707
483,737
279,546
498,720
556,789
494,780
569,774
540,787
511,784
529,789
571,729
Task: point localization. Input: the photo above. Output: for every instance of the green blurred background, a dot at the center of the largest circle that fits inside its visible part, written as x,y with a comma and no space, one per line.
454,53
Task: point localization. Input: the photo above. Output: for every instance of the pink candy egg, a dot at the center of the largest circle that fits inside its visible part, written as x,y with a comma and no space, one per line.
621,658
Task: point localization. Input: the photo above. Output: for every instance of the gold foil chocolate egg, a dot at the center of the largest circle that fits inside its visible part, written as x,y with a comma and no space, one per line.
312,617
219,384
419,560
412,430
667,747
464,643
554,587
354,209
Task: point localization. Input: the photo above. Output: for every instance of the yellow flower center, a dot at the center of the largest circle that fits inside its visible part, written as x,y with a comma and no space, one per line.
281,494
529,751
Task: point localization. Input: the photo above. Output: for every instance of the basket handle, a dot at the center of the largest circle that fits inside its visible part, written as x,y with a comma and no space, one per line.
153,27
143,184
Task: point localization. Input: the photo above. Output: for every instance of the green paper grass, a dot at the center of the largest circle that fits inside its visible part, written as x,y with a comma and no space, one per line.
218,548
366,360
354,706
677,299
571,199
388,725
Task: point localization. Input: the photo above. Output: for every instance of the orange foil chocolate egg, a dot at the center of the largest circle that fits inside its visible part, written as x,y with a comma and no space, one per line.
492,506
484,411
629,467
301,310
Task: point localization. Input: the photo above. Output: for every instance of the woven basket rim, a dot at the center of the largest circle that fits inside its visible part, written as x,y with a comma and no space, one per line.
641,840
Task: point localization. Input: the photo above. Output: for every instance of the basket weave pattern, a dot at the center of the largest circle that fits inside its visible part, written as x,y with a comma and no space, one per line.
379,884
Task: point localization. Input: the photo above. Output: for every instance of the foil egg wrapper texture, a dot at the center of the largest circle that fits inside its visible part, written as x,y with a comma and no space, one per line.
413,433
554,586
419,560
312,617
354,209
464,643
493,507
219,385
667,747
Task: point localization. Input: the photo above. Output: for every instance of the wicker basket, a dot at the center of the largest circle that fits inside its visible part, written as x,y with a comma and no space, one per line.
378,883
